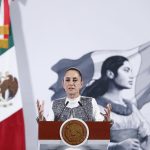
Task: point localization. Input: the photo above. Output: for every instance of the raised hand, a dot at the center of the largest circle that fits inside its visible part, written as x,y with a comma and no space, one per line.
107,113
40,108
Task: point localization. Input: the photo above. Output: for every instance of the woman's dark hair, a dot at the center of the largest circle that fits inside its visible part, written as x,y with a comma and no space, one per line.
75,69
100,86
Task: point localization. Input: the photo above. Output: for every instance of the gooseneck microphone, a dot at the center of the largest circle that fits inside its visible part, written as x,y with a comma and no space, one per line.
84,110
58,117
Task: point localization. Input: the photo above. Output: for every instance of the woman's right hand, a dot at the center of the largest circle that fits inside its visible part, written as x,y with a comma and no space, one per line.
129,144
40,108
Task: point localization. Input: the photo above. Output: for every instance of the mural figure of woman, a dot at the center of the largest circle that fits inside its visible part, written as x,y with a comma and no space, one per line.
130,130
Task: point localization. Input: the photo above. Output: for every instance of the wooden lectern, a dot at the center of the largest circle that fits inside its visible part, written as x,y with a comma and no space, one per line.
99,135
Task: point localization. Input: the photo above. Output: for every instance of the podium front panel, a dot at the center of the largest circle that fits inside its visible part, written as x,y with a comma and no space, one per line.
49,136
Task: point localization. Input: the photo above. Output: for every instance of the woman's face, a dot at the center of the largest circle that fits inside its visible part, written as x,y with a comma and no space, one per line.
72,83
124,79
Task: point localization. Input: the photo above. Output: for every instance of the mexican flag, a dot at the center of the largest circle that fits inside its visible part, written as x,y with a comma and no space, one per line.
12,134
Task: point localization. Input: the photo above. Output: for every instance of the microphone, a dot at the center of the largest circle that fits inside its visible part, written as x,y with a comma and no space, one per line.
84,110
57,118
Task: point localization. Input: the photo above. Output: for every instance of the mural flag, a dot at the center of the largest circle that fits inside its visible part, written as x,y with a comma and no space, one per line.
90,66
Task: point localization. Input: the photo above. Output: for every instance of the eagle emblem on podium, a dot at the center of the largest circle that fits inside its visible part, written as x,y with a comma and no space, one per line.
74,132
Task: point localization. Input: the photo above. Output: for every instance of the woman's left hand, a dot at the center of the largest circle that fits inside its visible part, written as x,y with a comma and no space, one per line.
107,113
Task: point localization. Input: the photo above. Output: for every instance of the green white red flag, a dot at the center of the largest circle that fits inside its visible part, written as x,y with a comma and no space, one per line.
12,134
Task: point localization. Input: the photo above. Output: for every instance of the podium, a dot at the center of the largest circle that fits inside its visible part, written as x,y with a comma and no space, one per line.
49,137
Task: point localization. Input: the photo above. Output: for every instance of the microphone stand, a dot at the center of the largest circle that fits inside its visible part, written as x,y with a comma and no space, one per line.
84,110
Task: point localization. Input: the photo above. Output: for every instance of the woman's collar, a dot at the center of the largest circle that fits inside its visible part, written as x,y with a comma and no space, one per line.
116,108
